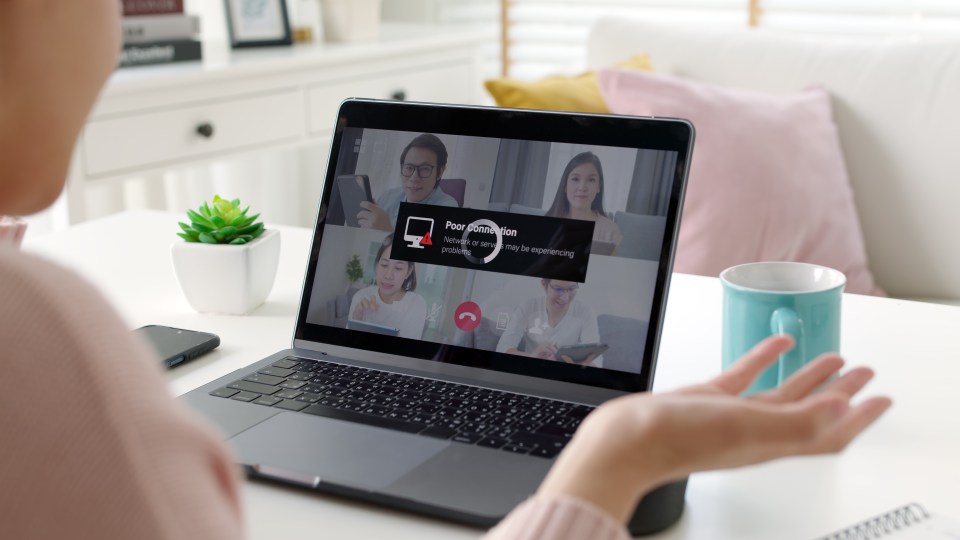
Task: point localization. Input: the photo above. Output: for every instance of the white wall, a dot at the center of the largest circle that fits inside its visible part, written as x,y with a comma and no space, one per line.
213,18
548,38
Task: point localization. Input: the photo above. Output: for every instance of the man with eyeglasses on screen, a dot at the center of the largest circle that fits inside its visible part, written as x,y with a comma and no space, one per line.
422,163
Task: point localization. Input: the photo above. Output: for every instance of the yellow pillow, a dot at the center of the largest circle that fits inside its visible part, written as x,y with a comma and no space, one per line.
578,93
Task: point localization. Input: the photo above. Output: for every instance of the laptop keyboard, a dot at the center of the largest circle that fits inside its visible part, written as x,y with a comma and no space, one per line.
458,412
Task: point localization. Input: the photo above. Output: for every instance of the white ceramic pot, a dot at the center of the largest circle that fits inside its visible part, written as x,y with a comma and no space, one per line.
227,279
350,20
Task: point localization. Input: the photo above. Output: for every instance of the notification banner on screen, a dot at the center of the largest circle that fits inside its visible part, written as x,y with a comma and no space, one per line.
520,244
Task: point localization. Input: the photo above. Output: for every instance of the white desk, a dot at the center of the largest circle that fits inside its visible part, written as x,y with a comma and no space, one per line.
913,454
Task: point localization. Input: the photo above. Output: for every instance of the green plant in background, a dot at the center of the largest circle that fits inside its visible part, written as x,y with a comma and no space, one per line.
354,269
221,222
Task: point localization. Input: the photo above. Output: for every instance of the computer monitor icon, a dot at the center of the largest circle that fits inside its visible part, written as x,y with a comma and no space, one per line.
417,228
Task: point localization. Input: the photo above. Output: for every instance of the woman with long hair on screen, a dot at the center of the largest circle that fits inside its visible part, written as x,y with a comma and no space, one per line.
580,196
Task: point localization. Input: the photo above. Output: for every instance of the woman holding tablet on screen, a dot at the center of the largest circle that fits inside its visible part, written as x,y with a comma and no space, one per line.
546,324
580,196
391,302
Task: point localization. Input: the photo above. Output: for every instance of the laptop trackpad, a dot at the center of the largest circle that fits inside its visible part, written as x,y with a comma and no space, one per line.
335,451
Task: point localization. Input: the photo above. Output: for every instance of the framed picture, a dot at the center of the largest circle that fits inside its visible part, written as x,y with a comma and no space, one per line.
258,23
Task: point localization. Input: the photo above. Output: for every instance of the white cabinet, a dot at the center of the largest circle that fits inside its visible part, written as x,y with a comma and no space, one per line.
190,131
151,119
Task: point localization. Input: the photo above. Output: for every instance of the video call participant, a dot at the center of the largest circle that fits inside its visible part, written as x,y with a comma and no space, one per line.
580,196
422,163
391,300
546,323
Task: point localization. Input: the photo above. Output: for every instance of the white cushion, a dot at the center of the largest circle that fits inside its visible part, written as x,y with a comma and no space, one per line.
897,106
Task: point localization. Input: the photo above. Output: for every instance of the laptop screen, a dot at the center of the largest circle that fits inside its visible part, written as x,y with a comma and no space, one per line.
518,241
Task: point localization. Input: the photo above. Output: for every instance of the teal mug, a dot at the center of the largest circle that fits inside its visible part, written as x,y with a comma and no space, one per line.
772,298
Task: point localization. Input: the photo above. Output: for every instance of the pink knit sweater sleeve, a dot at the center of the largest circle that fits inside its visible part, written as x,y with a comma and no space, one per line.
94,446
557,518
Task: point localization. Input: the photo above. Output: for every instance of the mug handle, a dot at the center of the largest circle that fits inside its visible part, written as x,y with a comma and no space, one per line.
785,321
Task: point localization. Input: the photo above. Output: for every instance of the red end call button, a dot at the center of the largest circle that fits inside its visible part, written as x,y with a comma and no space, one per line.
467,316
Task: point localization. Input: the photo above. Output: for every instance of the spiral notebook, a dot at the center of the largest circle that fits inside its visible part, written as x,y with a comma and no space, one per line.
909,521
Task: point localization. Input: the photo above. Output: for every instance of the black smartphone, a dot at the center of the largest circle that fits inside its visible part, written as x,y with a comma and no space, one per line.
176,345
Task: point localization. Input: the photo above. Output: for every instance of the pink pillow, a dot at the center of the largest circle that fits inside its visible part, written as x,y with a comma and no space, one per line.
767,180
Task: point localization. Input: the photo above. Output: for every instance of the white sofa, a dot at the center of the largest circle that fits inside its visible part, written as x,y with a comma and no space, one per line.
897,106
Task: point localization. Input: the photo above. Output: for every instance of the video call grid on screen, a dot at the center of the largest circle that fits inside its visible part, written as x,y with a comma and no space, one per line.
498,311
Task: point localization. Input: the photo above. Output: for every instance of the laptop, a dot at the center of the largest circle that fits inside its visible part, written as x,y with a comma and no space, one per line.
462,410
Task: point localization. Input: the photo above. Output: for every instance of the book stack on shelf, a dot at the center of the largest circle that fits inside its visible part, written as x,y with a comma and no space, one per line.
158,32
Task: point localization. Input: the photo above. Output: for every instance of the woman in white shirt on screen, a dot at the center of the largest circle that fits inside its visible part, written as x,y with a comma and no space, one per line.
580,196
391,301
545,324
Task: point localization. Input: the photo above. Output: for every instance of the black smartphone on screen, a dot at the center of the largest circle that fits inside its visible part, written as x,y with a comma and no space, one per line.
177,345
354,189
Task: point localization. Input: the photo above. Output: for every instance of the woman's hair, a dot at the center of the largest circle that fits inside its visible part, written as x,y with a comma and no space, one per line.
410,283
430,142
561,206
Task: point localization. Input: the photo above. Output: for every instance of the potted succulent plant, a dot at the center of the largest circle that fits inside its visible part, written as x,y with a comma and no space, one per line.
227,261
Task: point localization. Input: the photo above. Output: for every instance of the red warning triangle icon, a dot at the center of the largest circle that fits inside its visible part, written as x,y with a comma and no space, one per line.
426,241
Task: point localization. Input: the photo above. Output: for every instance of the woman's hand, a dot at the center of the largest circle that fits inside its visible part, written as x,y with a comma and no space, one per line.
374,217
634,443
546,350
363,307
